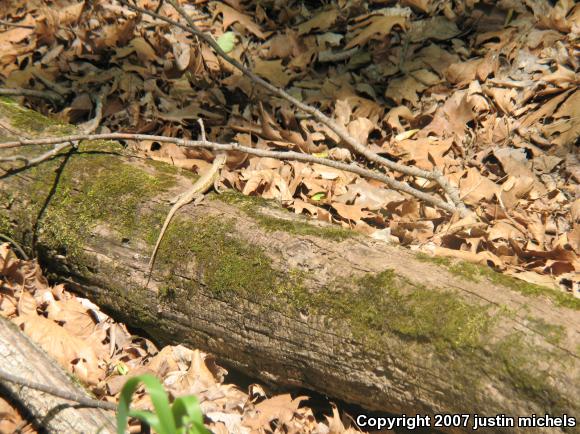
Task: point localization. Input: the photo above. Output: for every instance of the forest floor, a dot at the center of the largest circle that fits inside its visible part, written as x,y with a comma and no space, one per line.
485,91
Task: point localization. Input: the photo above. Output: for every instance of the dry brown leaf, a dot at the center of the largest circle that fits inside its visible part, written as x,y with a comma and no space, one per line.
451,118
273,71
535,278
360,129
322,21
376,26
66,348
426,152
26,304
281,408
514,189
474,187
231,16
438,28
405,89
394,116
424,6
565,129
351,212
483,258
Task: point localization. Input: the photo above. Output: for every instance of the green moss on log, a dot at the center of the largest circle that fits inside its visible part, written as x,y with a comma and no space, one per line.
384,303
528,369
479,273
374,308
94,187
30,121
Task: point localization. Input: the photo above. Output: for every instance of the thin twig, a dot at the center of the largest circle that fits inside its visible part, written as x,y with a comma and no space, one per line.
88,127
10,24
55,391
219,147
50,95
37,160
436,175
17,246
55,87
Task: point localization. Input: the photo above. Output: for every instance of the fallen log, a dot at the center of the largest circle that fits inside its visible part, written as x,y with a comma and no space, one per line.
20,357
288,300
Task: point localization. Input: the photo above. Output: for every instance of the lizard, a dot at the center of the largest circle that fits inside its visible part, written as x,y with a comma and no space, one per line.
194,194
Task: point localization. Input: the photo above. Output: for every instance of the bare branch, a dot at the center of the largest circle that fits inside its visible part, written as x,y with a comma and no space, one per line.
221,147
52,96
10,24
82,400
37,160
88,127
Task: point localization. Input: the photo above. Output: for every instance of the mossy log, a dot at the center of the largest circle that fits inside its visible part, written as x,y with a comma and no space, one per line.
288,300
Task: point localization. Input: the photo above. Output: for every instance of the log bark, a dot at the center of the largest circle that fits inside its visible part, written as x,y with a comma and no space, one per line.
292,301
22,358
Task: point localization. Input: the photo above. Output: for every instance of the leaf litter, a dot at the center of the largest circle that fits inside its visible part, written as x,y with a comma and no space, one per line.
485,91
487,94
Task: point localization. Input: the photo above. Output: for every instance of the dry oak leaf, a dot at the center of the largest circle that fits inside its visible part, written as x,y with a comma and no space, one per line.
195,372
565,129
26,304
452,118
16,34
474,187
369,196
394,116
70,14
283,46
59,343
556,16
463,72
426,152
360,129
544,111
322,21
73,316
574,238
437,58
273,71
352,213
505,231
405,89
534,278
374,27
561,77
9,263
438,28
281,408
514,161
424,6
483,258
575,211
231,16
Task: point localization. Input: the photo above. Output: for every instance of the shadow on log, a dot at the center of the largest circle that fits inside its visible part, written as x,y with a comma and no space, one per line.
291,301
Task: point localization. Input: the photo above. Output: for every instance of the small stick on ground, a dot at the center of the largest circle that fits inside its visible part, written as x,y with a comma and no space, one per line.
10,24
49,95
82,400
